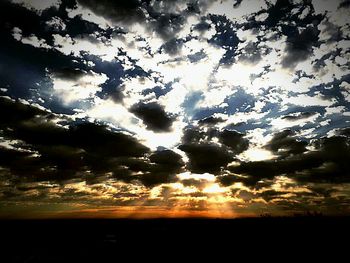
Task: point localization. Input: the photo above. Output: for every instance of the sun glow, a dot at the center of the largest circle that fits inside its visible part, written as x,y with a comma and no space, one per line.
214,189
257,154
188,175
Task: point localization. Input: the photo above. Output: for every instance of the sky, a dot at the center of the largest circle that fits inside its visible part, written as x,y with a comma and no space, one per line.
164,108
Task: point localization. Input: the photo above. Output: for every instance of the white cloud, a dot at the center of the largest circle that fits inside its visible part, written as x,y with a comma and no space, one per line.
247,7
38,5
215,97
281,123
305,100
256,154
87,15
56,24
173,100
68,46
30,40
345,90
86,87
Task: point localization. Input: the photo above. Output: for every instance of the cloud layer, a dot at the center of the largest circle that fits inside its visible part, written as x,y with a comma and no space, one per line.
217,106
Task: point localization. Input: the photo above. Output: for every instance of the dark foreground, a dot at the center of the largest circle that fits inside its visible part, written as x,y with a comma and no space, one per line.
174,239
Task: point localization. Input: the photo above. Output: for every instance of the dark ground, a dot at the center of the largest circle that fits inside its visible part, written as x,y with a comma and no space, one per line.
91,240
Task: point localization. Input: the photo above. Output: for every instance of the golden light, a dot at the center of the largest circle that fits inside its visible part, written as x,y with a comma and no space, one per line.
188,175
214,189
257,154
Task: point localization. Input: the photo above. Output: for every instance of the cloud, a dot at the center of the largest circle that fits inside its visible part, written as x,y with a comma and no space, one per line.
73,74
60,147
284,144
153,116
300,46
13,112
210,121
95,83
165,22
167,25
251,54
206,158
106,142
38,5
52,152
326,164
234,140
298,116
237,3
172,47
167,158
344,4
124,11
159,167
225,37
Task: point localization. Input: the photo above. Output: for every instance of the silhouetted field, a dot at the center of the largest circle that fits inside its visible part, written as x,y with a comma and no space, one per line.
90,240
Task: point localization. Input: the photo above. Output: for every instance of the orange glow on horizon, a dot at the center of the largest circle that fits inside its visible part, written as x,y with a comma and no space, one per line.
128,212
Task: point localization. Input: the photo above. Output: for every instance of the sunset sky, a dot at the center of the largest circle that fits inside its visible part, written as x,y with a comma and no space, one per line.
164,108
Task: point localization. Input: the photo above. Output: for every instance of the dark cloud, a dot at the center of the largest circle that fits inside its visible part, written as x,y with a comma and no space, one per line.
206,158
285,144
279,11
73,74
237,3
334,152
124,11
334,32
193,135
271,194
197,56
13,112
156,177
202,26
299,45
167,25
77,27
153,116
64,153
344,132
251,54
288,12
160,167
79,147
210,120
167,158
105,142
298,116
344,4
326,164
173,46
31,125
234,140
198,183
158,91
